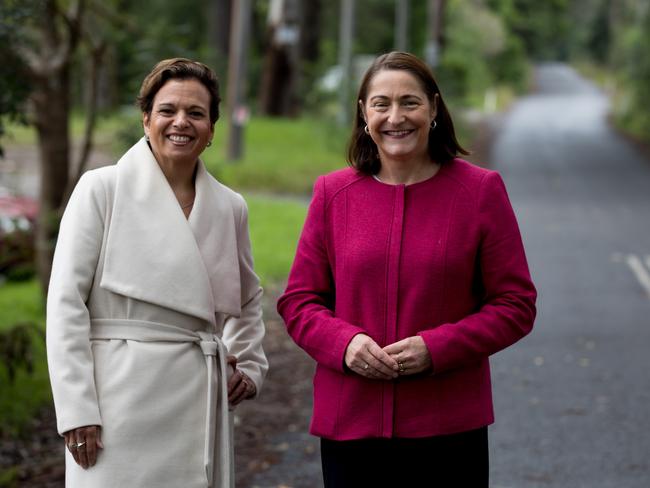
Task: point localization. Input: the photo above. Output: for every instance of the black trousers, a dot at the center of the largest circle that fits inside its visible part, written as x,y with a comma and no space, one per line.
449,461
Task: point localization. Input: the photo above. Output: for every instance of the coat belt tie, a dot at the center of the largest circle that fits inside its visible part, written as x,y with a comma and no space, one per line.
215,353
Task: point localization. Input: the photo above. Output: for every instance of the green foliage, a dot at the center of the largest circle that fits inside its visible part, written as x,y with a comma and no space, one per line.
9,477
635,115
543,27
480,53
24,384
615,37
14,81
17,254
16,349
27,393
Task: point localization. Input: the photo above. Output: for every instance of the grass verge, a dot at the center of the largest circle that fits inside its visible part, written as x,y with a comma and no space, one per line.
280,155
275,225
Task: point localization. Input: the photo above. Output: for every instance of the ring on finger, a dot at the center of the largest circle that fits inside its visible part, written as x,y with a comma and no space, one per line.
365,366
401,367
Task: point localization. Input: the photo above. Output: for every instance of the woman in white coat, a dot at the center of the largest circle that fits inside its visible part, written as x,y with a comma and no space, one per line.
154,322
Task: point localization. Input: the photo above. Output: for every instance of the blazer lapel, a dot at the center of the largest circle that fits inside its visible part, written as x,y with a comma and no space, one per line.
151,252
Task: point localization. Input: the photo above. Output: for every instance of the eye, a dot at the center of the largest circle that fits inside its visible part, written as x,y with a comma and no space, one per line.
197,114
380,105
165,111
410,104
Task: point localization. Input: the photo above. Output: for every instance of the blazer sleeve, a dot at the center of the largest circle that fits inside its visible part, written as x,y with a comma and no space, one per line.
243,335
507,309
69,353
307,305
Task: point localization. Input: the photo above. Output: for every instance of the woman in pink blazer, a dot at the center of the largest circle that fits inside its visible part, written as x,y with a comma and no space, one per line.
410,272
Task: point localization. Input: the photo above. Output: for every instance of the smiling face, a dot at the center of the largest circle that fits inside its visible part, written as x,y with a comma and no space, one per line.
399,115
179,126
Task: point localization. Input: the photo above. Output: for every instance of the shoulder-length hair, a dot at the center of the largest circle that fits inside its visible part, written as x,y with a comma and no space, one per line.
183,69
443,146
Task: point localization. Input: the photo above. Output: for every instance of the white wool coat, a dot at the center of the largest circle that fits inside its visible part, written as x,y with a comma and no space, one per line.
143,306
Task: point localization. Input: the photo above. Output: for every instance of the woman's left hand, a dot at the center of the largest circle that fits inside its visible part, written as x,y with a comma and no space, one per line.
240,386
411,354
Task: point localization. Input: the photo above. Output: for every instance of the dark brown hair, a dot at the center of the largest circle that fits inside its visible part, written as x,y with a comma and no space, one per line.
443,146
183,69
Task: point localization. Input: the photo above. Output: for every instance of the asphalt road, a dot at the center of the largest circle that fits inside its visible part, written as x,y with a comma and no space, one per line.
573,398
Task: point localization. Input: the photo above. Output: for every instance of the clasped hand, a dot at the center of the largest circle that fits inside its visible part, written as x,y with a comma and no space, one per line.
403,358
240,386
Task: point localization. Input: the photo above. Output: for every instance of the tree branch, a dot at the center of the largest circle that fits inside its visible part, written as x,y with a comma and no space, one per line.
97,54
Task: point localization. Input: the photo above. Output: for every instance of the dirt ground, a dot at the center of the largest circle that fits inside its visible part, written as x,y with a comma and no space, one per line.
272,447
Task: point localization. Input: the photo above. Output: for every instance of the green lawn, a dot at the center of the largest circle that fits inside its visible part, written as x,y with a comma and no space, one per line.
20,302
275,226
280,155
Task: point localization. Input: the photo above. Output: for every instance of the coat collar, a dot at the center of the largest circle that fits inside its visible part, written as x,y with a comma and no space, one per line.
155,254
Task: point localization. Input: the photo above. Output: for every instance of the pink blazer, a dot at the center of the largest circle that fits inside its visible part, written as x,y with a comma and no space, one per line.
443,259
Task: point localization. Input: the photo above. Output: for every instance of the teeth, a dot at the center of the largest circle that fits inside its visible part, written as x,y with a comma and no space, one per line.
176,138
397,132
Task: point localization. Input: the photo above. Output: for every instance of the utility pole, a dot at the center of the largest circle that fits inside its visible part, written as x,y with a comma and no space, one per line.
402,11
435,19
346,27
237,109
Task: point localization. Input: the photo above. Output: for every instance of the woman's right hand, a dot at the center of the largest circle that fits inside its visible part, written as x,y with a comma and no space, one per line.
83,443
364,356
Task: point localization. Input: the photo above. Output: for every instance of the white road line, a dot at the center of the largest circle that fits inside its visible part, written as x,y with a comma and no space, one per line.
641,273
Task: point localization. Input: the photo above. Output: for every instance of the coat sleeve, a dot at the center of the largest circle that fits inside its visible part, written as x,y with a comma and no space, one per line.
69,353
507,309
243,335
307,305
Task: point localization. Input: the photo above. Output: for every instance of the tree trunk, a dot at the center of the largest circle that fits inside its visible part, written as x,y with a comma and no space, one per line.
219,14
280,70
402,11
310,31
277,87
51,112
92,80
346,37
435,35
48,61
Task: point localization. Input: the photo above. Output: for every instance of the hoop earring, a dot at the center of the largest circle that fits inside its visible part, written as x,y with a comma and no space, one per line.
208,144
146,137
433,124
366,130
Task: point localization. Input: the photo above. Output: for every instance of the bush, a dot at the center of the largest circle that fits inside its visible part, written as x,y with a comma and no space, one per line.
24,384
17,249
